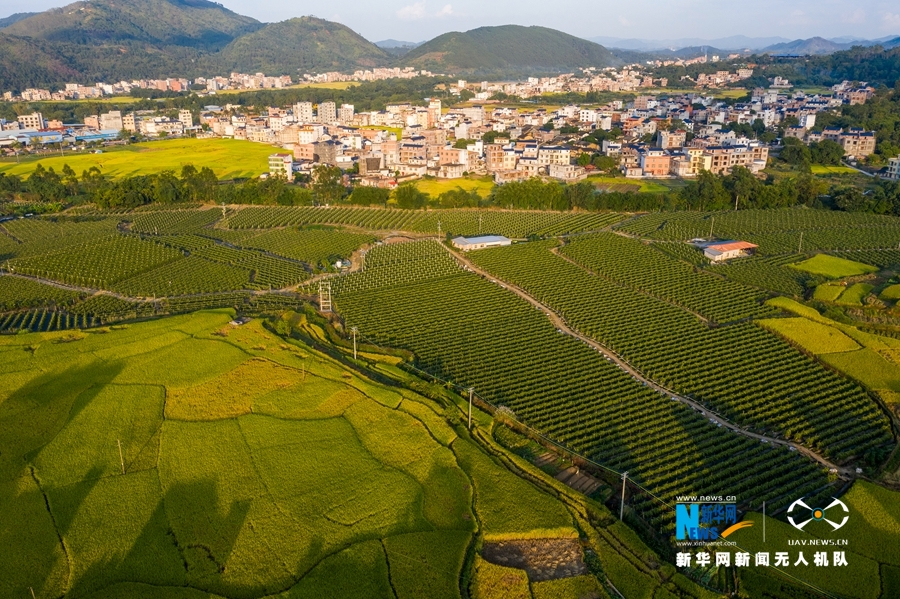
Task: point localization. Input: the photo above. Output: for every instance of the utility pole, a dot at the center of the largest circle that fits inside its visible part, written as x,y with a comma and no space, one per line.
121,458
471,394
354,330
711,223
622,507
764,521
479,224
800,249
439,228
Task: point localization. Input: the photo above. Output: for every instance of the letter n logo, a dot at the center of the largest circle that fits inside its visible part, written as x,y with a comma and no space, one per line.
687,519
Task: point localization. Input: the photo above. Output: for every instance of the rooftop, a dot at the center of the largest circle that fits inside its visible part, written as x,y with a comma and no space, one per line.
482,239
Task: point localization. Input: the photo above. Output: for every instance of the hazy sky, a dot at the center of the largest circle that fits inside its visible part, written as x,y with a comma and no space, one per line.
416,20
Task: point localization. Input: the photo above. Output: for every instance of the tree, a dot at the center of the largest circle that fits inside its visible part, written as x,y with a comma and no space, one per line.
408,196
369,196
850,199
796,153
742,185
826,152
462,144
459,198
584,159
327,185
70,180
166,188
581,195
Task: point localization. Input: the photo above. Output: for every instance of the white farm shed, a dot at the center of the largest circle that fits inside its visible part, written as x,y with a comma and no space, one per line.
477,243
719,252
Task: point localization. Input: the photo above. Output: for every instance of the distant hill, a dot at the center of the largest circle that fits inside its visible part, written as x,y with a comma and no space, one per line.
7,21
509,48
306,44
814,45
386,44
734,42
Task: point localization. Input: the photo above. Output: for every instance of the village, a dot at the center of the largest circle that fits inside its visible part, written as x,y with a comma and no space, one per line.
653,136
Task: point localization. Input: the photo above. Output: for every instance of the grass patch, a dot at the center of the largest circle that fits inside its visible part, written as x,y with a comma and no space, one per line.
854,294
868,367
398,131
491,581
619,184
532,514
833,267
891,293
360,571
821,169
228,158
567,588
813,336
828,293
427,564
435,187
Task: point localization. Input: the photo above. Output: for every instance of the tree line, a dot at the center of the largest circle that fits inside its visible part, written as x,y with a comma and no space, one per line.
49,191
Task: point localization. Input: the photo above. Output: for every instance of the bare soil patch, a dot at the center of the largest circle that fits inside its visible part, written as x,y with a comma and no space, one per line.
542,559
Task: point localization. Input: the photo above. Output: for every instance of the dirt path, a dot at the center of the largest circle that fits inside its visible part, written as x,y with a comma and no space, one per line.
715,419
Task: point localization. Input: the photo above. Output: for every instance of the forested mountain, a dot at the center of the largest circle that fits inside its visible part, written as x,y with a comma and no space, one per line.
191,23
509,48
305,44
115,39
875,65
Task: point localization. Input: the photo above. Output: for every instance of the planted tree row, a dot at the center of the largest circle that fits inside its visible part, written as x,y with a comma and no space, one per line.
743,372
466,329
643,268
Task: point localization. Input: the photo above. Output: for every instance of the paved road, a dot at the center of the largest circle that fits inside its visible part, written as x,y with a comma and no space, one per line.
716,419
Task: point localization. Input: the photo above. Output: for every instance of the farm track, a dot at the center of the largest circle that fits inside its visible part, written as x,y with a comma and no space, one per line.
715,419
128,298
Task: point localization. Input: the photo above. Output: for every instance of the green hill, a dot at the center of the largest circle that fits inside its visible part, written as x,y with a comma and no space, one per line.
191,23
306,44
509,48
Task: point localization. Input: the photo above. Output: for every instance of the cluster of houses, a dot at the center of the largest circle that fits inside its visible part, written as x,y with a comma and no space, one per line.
653,136
33,129
207,85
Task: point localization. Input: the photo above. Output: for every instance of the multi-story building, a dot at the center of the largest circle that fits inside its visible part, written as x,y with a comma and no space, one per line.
724,158
454,156
346,113
161,126
327,112
281,165
129,123
111,121
655,162
858,143
548,155
669,140
186,118
303,112
35,120
92,121
893,171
